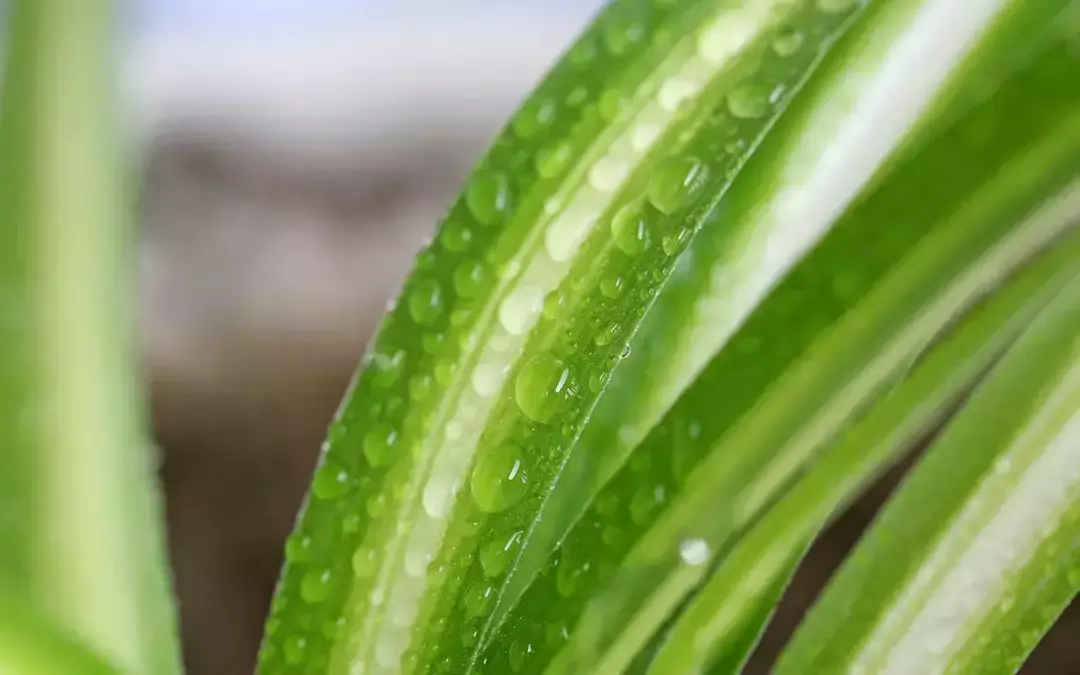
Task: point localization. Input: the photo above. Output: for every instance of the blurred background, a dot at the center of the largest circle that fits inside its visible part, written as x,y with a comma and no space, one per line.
295,154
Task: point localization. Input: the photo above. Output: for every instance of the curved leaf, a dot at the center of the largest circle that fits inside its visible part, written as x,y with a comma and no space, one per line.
992,512
743,588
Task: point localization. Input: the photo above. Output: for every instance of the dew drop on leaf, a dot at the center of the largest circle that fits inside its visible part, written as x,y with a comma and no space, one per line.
543,388
478,600
630,231
365,562
294,649
749,101
455,236
488,198
375,505
552,160
426,302
612,286
316,585
535,116
568,575
519,651
387,367
694,551
298,548
378,444
620,34
470,278
499,479
553,305
496,555
787,42
611,104
330,481
675,183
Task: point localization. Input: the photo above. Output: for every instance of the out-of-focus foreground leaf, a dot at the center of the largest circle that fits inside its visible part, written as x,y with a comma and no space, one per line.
80,538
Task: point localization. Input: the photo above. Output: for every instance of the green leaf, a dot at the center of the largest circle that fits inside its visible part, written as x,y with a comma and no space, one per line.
442,487
743,588
942,229
977,554
78,507
30,645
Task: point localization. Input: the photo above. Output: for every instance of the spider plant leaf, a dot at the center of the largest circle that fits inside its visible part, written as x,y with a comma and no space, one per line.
79,517
976,555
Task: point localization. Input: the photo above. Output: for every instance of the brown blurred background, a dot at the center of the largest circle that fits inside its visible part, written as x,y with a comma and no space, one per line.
289,178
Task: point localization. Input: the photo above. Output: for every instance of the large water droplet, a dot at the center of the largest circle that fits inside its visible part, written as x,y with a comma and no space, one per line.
426,302
676,182
378,444
552,160
455,235
694,551
519,309
478,600
630,231
621,33
543,388
438,497
612,103
298,548
536,115
470,278
496,556
787,42
608,173
489,198
499,479
330,481
612,286
316,585
749,101
365,563
387,366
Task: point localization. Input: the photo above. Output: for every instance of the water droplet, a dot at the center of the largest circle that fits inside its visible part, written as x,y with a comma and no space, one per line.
568,576
488,198
378,444
438,497
694,551
496,556
552,160
577,96
470,278
350,524
644,503
622,33
294,649
612,103
419,387
332,629
426,302
375,505
298,548
625,352
644,135
543,388
607,335
673,243
673,92
478,600
554,304
387,367
499,479
787,42
612,286
330,481
749,101
535,116
608,173
444,371
582,54
455,235
434,343
316,586
676,182
519,309
597,381
519,652
487,378
630,231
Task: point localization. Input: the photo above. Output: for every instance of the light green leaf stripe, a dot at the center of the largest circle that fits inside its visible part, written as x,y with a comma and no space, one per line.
79,517
991,511
31,645
755,236
716,626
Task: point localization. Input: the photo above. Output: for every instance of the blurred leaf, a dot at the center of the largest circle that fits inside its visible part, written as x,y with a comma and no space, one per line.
79,515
